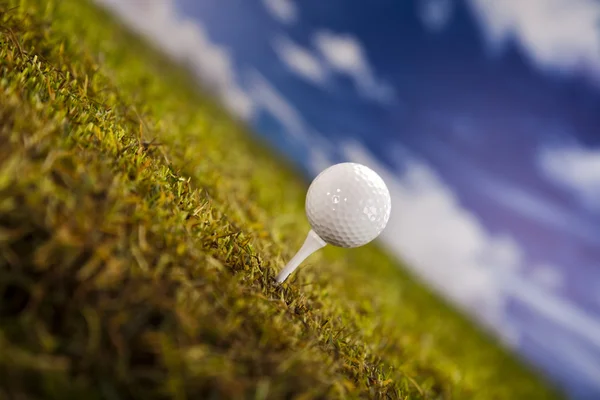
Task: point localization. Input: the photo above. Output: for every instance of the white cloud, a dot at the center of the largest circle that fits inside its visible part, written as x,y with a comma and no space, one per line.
300,60
285,11
547,277
558,35
335,53
186,41
537,208
558,310
345,54
268,98
576,169
319,160
435,14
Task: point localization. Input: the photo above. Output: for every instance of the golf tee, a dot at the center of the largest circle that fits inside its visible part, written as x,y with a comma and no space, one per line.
311,244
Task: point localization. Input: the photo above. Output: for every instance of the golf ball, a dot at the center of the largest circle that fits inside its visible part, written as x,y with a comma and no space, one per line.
348,205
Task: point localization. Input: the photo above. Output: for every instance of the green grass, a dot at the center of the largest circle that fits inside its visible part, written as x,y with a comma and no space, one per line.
141,228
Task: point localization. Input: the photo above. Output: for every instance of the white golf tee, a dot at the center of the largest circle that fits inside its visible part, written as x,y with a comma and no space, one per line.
311,244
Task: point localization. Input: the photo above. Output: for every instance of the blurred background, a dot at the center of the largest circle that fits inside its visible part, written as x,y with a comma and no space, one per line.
483,116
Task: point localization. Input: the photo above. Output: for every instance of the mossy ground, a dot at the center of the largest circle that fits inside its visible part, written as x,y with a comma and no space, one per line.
140,230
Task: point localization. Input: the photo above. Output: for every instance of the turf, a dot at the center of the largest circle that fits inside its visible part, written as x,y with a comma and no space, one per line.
140,231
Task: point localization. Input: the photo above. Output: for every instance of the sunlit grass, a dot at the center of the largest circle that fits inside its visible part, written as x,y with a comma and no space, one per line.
140,230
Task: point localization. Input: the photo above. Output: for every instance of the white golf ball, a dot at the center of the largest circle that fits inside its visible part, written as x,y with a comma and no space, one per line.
348,205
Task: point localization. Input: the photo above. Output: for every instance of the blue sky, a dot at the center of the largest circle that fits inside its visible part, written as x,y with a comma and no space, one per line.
481,115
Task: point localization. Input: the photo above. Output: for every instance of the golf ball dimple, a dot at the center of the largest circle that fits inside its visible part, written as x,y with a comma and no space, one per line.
348,205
